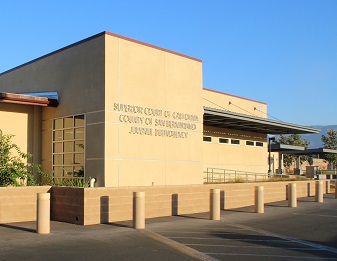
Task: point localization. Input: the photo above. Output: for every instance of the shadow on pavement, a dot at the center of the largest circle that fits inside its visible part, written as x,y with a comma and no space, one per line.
276,205
18,228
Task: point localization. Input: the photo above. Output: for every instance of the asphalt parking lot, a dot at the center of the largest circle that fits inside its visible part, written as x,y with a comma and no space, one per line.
306,232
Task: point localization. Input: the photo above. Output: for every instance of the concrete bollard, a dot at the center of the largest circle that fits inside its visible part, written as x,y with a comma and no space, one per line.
259,199
292,197
319,191
214,204
139,210
43,213
327,187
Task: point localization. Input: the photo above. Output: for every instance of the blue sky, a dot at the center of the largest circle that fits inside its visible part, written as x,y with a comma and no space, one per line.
283,53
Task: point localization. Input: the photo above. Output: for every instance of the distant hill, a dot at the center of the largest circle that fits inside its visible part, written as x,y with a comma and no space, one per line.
315,139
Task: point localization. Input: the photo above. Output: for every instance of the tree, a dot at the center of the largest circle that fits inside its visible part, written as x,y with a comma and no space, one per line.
14,171
330,142
296,140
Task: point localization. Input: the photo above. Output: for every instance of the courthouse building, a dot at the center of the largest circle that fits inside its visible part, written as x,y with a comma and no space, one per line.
131,114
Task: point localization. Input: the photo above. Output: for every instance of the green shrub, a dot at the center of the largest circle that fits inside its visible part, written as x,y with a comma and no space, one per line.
71,182
14,171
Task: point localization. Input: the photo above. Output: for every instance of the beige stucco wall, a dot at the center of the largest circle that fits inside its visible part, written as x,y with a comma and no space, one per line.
77,74
24,122
99,75
224,101
151,78
229,156
94,75
235,157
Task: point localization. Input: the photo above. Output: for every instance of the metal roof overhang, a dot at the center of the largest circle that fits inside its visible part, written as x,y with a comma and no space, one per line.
27,99
231,120
312,151
278,147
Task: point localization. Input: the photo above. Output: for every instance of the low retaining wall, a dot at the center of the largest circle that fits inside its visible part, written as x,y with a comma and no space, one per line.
67,204
18,204
87,206
103,205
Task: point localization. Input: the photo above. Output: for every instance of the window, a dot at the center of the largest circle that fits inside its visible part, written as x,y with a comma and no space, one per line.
207,139
259,144
68,147
249,143
236,142
223,140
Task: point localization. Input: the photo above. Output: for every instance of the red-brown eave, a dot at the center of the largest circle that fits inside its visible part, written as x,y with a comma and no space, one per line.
234,96
152,46
23,99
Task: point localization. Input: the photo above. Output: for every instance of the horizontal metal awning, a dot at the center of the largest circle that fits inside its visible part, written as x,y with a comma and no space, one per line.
29,99
278,147
315,151
231,120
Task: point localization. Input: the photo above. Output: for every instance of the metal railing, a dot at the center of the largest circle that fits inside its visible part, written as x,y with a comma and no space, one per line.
216,175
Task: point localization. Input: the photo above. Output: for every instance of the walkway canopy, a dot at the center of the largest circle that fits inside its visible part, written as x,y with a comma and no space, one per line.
285,148
316,151
231,120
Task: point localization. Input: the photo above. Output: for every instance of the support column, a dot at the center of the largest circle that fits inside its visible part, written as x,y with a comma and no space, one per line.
214,204
298,162
327,187
280,162
298,166
139,210
319,191
292,197
259,199
43,213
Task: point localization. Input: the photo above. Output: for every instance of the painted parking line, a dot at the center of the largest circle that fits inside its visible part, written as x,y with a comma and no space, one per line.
264,247
178,246
218,243
294,240
273,256
230,239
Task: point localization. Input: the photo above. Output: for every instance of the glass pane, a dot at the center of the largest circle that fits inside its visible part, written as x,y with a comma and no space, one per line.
58,124
79,159
235,141
68,134
68,122
57,136
79,133
223,140
68,159
79,146
57,159
68,146
79,172
57,148
58,171
79,120
68,171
